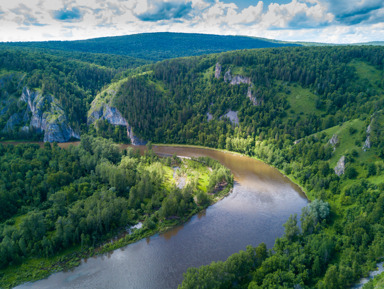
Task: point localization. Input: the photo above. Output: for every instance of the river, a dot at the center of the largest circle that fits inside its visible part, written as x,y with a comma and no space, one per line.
261,202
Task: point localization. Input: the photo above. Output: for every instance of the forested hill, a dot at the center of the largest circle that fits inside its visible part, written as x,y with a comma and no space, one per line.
316,113
157,46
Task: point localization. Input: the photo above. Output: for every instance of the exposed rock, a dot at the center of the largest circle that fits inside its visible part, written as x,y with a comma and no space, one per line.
218,70
334,140
367,144
238,79
47,117
340,167
134,139
209,116
297,141
114,117
232,115
228,76
251,96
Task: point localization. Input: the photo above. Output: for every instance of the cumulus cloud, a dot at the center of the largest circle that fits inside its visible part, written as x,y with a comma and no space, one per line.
24,16
161,10
354,11
68,15
311,20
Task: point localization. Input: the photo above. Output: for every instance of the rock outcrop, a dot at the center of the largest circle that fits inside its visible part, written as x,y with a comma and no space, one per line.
251,97
228,76
218,70
334,141
136,141
367,143
42,115
340,166
47,117
232,115
240,79
114,117
111,114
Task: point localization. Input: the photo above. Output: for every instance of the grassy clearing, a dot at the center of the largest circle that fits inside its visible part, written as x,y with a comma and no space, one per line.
368,72
347,141
301,100
33,269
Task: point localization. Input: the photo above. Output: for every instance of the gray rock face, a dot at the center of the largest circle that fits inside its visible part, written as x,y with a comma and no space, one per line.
114,117
340,167
334,140
297,141
232,115
238,79
251,97
111,114
209,116
47,117
228,76
217,71
134,139
367,143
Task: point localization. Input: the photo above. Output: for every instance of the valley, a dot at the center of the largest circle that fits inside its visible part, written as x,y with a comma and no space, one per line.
314,113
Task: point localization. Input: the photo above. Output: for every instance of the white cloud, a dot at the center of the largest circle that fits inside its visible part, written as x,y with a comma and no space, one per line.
309,20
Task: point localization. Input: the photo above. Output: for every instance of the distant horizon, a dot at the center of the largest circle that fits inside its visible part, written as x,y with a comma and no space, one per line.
195,33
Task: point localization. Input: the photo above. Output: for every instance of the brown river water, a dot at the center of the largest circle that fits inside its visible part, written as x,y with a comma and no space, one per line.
261,202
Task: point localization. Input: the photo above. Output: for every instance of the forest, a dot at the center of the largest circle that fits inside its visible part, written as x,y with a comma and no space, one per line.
155,46
315,113
53,199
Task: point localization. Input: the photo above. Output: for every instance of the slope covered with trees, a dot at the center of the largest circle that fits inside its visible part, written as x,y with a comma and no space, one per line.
73,199
157,46
303,110
315,113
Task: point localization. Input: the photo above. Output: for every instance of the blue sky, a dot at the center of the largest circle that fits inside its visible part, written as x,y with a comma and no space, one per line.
335,21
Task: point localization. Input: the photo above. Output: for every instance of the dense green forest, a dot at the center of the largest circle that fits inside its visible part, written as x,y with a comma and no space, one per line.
156,46
315,113
53,199
302,99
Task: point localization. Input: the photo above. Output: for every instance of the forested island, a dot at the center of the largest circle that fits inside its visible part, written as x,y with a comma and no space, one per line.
315,113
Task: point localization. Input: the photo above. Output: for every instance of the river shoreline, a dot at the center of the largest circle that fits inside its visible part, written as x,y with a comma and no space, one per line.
74,259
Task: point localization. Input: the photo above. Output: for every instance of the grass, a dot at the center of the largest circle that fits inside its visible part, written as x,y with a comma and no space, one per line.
347,141
368,72
33,269
301,100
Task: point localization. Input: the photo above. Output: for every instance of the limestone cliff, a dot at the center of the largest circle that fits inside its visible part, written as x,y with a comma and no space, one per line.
240,79
42,114
47,117
102,109
340,167
217,70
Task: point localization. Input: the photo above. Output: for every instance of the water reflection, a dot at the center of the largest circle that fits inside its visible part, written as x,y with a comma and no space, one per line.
261,202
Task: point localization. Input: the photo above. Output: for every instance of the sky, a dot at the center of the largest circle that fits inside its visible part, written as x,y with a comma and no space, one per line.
330,21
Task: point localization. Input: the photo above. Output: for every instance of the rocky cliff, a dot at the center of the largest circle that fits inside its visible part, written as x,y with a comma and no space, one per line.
100,109
42,114
340,167
237,80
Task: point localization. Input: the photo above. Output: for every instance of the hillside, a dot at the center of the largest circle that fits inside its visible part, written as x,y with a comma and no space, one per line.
156,46
315,113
